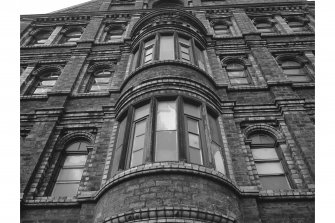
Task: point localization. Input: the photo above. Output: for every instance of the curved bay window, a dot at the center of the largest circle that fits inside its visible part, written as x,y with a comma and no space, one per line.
269,167
168,130
45,81
169,46
71,169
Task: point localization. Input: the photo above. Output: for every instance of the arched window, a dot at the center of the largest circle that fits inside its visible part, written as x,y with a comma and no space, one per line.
167,3
297,25
264,26
167,129
100,80
294,71
269,167
71,36
40,37
71,169
169,46
114,34
237,74
45,81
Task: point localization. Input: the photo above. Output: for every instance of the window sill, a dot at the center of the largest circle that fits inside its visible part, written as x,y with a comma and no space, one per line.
34,97
91,94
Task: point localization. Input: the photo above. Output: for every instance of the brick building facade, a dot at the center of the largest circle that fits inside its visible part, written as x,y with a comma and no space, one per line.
168,111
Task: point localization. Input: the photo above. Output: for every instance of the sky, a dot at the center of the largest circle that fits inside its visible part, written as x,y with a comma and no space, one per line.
45,6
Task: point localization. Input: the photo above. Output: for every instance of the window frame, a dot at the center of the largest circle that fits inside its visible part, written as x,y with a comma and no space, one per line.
46,75
96,75
242,69
149,155
300,66
277,160
139,50
64,37
63,156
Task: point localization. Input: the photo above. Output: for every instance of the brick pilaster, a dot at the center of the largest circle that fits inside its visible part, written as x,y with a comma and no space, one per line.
244,22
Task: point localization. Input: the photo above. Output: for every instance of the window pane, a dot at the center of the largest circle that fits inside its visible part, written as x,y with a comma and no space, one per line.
299,78
137,158
295,71
233,74
200,57
102,80
166,51
192,110
149,42
261,139
239,81
138,142
219,164
166,116
99,87
290,63
193,126
41,90
48,83
193,140
83,146
135,58
70,174
166,146
195,156
73,147
235,66
274,182
140,128
75,160
121,133
214,129
269,168
261,154
141,112
65,190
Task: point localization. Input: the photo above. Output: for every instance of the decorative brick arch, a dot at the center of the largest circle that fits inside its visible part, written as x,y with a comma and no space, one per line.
65,140
230,59
45,68
70,29
98,66
278,136
293,57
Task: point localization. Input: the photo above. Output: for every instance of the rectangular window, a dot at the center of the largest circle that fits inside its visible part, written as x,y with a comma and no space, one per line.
149,47
166,132
185,49
166,48
119,144
200,57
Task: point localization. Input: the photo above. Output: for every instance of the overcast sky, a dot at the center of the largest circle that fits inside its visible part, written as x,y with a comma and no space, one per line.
45,6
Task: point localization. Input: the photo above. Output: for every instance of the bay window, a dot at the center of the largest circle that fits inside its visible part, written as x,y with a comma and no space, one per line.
168,46
168,129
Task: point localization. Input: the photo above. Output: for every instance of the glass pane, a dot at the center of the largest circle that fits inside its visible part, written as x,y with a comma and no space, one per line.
166,146
140,128
235,66
75,160
192,110
269,168
193,140
137,158
293,71
70,174
42,41
166,115
274,182
214,129
193,126
149,42
83,146
138,142
41,90
234,74
261,139
73,146
121,133
99,87
299,29
166,51
290,63
102,80
264,154
237,81
141,112
200,57
135,58
148,58
65,190
299,78
48,83
219,164
185,57
195,156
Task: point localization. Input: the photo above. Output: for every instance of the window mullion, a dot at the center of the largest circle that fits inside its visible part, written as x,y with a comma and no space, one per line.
125,156
182,133
193,57
149,139
156,48
177,47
